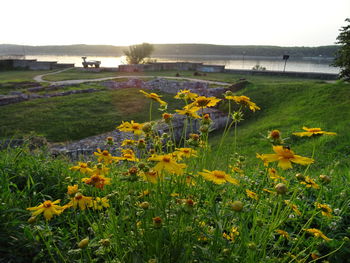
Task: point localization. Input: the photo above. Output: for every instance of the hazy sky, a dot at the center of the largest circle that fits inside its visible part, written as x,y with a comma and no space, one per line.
116,22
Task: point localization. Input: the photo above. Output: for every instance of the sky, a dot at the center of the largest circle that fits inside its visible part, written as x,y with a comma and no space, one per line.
127,22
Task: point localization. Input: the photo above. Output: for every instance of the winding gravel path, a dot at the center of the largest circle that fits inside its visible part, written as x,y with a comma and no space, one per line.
39,79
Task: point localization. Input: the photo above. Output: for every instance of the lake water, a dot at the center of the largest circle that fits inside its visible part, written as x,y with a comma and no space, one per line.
306,65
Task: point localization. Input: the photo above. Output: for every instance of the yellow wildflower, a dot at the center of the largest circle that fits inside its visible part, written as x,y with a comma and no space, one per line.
104,156
167,163
203,102
100,169
128,142
127,155
185,152
48,208
81,167
274,175
190,112
132,126
151,176
313,132
285,157
310,183
98,181
100,203
218,177
325,209
186,95
82,201
317,233
274,134
269,191
243,100
293,207
157,221
252,195
154,97
232,234
167,117
283,233
72,189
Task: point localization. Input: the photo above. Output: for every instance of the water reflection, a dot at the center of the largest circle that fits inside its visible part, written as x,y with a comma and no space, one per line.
238,62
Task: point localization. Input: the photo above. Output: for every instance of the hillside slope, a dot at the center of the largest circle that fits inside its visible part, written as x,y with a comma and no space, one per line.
288,107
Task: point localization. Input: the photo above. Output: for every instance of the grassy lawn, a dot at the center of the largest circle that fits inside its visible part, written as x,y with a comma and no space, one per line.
79,74
20,75
77,116
224,77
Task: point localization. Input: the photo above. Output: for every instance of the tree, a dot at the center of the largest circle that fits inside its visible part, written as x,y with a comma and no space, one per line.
342,58
138,53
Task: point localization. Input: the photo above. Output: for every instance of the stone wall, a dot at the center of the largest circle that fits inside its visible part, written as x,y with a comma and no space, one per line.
32,64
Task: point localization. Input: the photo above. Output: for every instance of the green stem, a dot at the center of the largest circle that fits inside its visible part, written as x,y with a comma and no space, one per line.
150,111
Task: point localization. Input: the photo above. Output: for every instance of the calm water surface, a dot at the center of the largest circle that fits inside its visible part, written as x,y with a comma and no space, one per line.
314,65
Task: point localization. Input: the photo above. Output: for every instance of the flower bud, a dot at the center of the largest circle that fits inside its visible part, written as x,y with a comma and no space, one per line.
144,205
105,242
147,127
157,221
281,188
204,129
237,206
325,178
300,177
83,243
32,220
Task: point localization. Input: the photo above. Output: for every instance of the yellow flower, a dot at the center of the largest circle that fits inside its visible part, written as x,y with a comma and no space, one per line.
104,156
48,208
100,203
81,167
82,201
151,176
186,95
274,175
283,233
232,234
293,207
218,177
98,181
167,117
313,132
190,112
310,183
203,102
243,100
72,189
167,163
285,157
274,134
132,126
127,142
317,233
154,97
157,221
252,195
100,169
269,191
127,155
325,209
185,152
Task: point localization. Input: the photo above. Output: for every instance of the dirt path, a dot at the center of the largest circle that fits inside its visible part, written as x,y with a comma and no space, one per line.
39,78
